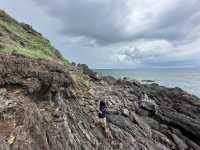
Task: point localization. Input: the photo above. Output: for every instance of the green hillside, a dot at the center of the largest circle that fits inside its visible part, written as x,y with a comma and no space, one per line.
23,39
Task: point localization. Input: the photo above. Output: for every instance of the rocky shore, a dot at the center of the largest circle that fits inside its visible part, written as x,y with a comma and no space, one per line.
44,107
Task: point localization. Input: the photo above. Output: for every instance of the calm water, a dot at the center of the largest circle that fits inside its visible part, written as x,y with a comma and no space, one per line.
187,79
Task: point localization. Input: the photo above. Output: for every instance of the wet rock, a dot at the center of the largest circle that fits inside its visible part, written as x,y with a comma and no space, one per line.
148,81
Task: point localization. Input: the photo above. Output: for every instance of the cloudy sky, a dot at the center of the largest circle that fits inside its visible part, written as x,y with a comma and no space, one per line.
116,33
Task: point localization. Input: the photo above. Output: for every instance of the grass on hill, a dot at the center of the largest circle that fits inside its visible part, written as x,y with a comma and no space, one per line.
21,38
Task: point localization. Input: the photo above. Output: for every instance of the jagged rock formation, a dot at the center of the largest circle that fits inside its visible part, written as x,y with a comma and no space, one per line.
43,108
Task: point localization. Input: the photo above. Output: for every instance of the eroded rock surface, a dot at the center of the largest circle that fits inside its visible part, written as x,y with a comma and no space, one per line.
43,108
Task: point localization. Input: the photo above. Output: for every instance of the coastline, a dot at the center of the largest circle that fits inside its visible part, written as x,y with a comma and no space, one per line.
186,78
49,101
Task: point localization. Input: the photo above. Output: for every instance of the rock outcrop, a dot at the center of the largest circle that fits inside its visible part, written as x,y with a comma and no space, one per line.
43,108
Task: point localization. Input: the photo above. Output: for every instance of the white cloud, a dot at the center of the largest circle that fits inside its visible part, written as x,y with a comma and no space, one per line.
112,21
158,53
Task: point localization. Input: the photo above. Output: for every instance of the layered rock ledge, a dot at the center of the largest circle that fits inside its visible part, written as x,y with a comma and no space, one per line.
43,108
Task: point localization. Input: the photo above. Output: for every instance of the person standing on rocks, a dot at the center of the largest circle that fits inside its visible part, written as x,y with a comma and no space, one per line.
101,120
102,117
102,114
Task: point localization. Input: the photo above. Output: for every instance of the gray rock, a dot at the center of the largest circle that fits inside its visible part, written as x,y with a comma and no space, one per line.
180,144
71,122
148,104
142,124
3,91
125,112
3,144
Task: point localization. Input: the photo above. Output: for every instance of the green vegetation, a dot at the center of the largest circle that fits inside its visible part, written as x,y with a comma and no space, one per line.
21,38
76,77
80,77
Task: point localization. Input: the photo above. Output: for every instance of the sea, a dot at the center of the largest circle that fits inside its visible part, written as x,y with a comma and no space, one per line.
187,79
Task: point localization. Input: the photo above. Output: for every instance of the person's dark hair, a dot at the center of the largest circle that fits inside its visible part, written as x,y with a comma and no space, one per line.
103,109
102,103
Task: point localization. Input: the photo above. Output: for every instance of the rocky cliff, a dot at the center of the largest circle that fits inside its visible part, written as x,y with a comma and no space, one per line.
43,108
46,105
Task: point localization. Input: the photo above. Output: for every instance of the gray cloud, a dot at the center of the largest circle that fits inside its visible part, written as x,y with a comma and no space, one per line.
106,21
92,19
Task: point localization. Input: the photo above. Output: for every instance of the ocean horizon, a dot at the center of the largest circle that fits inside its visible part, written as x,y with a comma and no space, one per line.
186,78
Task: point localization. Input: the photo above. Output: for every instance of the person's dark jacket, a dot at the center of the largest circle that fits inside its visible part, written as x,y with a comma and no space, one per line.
103,109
